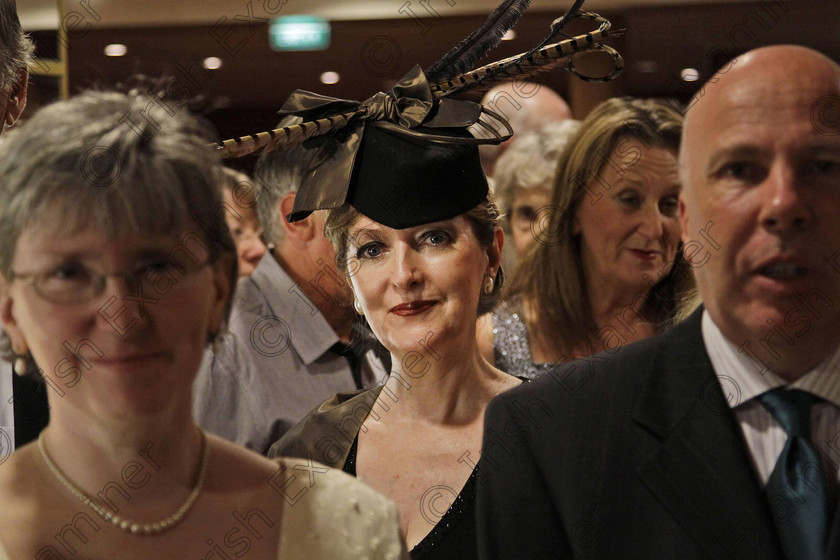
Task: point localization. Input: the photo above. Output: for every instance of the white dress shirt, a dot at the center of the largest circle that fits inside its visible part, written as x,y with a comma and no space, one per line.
742,381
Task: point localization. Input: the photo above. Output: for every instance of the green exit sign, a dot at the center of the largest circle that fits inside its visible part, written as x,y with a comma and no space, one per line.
299,33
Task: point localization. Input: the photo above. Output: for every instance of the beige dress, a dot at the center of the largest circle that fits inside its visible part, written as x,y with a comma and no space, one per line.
339,517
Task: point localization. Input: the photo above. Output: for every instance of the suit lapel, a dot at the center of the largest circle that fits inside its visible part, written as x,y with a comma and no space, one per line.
833,550
701,471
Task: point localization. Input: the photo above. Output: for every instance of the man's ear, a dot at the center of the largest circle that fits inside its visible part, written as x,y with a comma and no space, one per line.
17,99
302,231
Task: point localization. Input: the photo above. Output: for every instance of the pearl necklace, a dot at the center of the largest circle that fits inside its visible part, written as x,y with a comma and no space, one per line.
120,522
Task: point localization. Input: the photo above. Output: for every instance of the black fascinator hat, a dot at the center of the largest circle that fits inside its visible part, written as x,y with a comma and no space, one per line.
409,156
403,181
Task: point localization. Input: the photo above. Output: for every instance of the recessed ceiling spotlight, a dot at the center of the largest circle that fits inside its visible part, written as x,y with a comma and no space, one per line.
115,49
689,74
212,63
330,78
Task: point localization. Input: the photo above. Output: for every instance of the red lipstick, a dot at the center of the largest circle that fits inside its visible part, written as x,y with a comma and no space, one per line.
413,308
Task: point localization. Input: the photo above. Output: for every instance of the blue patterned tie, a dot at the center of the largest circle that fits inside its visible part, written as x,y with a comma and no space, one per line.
796,488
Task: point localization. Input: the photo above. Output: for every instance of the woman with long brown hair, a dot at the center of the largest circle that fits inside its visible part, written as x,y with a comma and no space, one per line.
607,268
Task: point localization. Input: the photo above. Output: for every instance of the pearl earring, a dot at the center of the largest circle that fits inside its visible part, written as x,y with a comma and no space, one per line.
487,286
358,307
21,366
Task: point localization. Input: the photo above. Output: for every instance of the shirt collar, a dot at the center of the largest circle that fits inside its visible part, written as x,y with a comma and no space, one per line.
741,377
310,334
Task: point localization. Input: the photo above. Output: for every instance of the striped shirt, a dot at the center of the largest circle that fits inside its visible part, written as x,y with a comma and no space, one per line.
742,381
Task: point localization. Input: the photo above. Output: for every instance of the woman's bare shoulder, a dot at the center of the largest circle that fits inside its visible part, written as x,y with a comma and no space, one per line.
22,483
234,459
19,474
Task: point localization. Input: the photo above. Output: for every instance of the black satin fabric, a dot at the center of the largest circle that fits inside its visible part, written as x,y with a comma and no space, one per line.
409,109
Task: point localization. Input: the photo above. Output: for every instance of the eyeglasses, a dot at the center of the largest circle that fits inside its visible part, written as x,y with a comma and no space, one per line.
74,283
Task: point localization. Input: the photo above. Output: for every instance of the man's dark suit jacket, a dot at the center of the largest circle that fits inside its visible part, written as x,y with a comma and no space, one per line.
629,455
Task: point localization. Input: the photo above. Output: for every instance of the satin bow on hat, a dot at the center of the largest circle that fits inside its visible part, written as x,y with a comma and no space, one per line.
409,105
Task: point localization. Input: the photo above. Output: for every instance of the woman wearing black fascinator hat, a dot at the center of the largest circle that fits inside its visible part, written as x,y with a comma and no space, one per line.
423,259
416,232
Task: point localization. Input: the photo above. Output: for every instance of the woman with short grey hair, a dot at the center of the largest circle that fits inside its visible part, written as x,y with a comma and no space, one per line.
524,176
116,271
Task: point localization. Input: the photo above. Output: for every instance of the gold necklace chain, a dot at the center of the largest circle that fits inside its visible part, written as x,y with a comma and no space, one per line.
123,523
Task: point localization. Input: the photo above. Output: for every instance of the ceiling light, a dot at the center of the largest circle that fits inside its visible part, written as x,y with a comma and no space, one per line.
115,49
212,63
509,35
330,78
689,74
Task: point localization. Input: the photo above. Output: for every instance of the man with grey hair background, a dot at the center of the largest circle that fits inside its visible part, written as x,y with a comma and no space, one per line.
23,402
288,346
16,52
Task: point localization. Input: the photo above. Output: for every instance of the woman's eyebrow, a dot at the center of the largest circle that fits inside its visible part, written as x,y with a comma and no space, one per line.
78,254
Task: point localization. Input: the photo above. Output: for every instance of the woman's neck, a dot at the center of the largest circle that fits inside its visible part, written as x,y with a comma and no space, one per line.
616,313
446,388
146,468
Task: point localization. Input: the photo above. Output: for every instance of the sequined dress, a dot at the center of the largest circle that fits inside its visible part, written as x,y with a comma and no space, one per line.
511,348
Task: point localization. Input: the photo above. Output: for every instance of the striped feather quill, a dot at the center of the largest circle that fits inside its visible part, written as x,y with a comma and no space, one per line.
286,136
523,66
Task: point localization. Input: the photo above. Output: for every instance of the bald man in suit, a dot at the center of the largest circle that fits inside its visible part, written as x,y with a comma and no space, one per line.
668,448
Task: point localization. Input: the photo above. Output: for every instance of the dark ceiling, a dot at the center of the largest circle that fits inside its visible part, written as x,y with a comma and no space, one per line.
371,55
